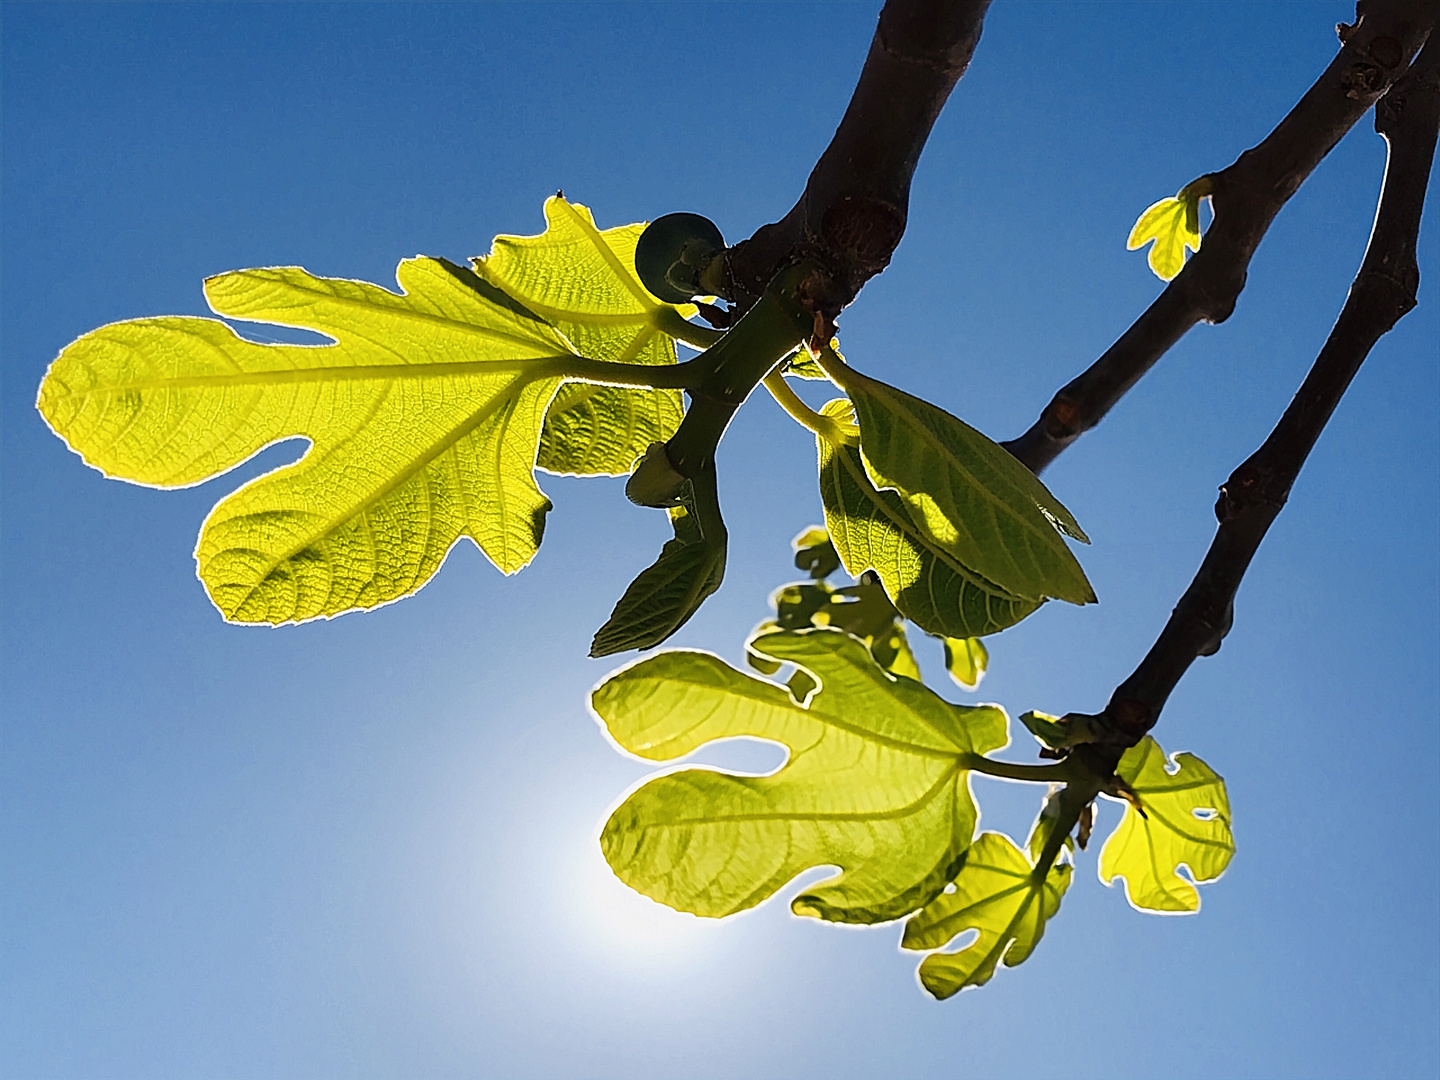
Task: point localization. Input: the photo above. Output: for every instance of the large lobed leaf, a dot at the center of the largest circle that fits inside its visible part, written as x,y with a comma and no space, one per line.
875,782
873,530
423,418
997,895
1183,819
582,280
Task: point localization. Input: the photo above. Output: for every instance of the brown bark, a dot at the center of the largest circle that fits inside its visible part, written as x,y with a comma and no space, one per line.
1384,290
1246,196
853,210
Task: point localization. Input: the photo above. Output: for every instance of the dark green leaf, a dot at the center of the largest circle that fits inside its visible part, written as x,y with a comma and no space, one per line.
872,530
668,592
967,495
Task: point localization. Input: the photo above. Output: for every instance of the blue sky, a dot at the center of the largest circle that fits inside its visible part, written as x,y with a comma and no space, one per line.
366,847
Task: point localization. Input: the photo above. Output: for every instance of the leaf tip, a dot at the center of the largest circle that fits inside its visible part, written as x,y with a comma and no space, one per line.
806,907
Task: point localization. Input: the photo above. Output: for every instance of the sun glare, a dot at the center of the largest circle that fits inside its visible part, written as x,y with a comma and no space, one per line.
631,928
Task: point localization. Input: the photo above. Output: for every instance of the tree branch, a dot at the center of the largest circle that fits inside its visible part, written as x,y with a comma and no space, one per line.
1384,290
853,210
1246,196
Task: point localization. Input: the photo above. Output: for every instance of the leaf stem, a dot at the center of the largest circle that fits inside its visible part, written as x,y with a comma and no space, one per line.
669,321
1009,770
727,372
836,370
680,376
1073,800
801,413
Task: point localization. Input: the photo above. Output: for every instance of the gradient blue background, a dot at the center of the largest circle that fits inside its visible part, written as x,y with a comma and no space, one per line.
366,847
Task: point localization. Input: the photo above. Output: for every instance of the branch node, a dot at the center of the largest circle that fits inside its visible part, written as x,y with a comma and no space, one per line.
863,231
1250,486
1063,417
1361,80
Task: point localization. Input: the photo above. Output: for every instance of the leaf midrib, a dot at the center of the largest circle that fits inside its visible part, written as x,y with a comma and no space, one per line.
598,241
879,815
420,462
881,391
908,529
337,373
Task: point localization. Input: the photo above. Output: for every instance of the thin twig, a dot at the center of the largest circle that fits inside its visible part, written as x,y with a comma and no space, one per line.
1383,291
1246,196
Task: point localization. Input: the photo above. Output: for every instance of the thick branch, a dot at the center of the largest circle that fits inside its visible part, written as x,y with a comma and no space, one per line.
853,210
1245,197
1383,291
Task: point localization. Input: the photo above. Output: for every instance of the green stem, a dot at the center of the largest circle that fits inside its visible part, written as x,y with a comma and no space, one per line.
764,336
734,366
836,370
1071,804
1083,786
669,321
801,413
681,376
1010,770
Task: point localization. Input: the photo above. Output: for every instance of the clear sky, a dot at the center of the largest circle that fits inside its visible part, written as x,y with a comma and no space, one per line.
367,847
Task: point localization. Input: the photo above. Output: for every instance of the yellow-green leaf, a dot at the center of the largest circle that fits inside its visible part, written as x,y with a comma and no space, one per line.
582,280
966,660
1185,822
1173,225
872,530
997,895
423,419
803,366
876,782
814,553
891,650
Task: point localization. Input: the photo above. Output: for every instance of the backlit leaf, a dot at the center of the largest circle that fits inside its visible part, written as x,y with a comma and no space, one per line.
891,650
875,783
967,495
423,419
966,660
665,594
1060,732
997,895
1173,225
862,610
1186,822
803,365
872,530
582,280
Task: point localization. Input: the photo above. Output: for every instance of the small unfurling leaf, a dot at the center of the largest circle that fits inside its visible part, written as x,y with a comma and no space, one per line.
1173,225
966,660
